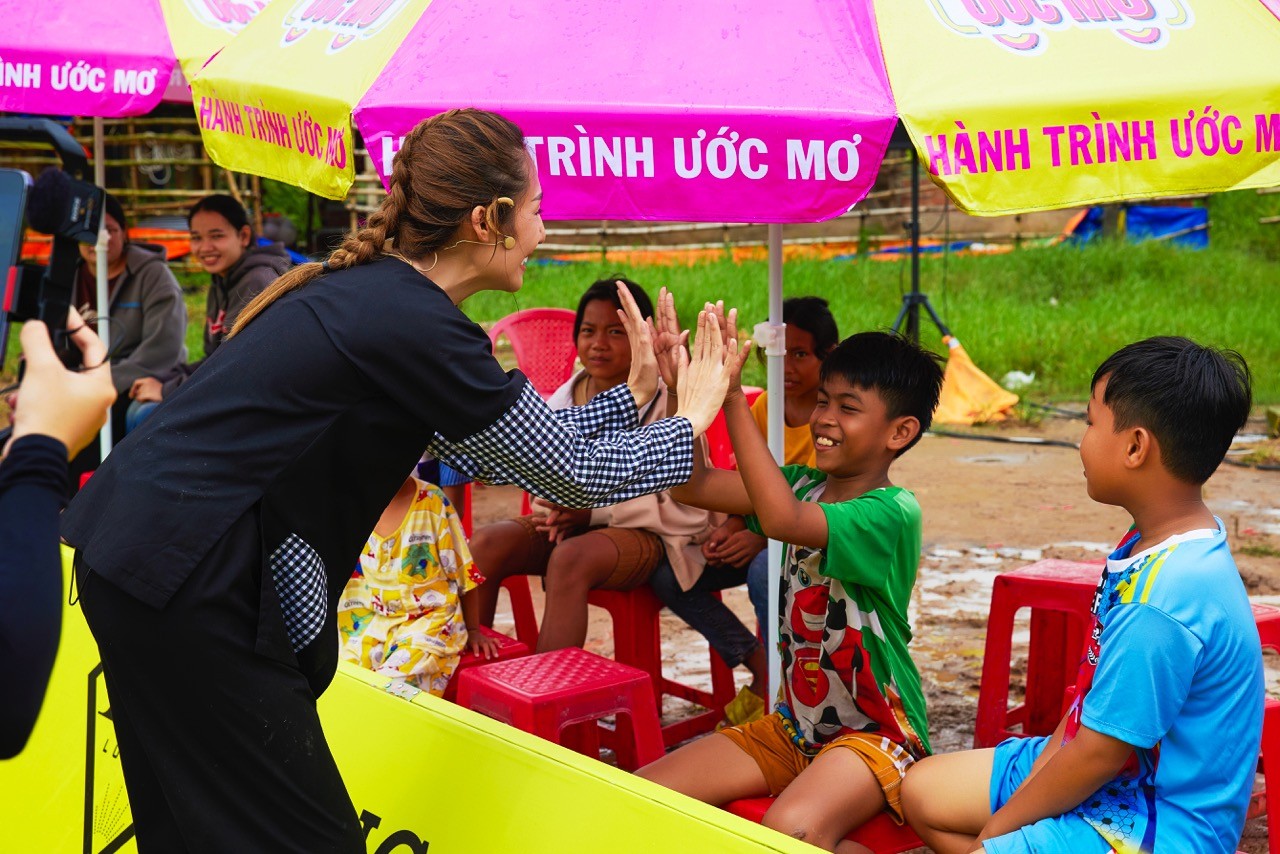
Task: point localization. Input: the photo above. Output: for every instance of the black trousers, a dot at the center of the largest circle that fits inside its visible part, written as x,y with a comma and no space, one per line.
220,743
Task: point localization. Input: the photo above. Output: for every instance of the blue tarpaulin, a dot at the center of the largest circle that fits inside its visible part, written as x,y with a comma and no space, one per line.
1185,226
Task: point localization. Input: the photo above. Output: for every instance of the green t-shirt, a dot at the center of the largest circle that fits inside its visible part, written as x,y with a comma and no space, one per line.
845,607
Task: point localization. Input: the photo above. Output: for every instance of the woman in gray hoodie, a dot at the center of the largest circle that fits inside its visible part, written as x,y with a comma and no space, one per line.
148,317
223,242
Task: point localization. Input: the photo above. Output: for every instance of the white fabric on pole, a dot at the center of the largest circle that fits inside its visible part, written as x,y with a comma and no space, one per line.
104,305
777,411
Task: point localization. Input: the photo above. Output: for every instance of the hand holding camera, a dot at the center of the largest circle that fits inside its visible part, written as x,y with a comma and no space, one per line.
68,405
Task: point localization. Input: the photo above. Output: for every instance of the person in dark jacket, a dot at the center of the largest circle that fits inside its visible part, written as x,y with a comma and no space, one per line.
148,317
223,242
58,415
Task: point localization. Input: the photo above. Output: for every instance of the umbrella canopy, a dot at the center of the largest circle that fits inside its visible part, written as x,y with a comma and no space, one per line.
1021,105
750,111
764,112
87,58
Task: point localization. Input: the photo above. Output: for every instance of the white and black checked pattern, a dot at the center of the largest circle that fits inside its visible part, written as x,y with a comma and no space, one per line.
300,586
610,411
586,456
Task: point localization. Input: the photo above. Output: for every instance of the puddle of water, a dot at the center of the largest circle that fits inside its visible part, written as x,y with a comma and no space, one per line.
996,459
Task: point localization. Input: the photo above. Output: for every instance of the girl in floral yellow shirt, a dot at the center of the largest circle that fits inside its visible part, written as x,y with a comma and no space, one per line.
408,608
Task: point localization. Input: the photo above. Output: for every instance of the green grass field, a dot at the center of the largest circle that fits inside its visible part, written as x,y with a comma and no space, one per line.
1056,311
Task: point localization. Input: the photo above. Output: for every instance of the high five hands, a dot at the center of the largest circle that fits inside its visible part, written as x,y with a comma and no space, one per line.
699,379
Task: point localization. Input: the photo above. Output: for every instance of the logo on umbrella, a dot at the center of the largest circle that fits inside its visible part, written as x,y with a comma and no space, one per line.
226,15
1023,26
348,20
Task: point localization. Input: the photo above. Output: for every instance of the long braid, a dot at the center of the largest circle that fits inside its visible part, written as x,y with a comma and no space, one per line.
474,157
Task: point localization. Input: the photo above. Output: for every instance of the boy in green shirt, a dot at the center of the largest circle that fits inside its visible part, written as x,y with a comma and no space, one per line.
850,718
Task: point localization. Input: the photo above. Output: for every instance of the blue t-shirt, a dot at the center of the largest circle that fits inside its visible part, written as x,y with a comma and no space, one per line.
1178,676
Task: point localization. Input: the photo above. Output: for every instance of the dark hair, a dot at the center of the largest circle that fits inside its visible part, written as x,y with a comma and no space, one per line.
813,315
1192,398
113,209
607,290
447,165
226,207
906,376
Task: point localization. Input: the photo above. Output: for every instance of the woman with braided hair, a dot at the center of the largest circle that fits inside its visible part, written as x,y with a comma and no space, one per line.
214,542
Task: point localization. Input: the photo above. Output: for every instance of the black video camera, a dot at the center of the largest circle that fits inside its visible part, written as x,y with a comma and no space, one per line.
62,203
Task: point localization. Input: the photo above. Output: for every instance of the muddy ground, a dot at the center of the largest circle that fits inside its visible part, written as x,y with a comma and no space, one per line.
989,507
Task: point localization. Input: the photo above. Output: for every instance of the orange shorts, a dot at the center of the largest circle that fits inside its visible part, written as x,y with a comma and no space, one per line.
781,761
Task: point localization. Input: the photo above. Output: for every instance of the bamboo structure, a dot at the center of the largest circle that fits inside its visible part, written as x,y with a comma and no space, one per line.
155,165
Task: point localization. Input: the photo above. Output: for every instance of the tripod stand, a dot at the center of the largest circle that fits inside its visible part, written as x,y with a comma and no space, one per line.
914,300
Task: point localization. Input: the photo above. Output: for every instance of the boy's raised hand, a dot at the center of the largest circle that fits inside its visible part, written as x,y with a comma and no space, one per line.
703,382
643,379
729,324
669,342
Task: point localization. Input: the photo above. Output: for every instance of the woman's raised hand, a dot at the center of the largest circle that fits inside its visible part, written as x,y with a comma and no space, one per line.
704,381
643,379
669,342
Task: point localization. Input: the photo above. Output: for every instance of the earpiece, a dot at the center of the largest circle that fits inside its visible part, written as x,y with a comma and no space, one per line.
507,242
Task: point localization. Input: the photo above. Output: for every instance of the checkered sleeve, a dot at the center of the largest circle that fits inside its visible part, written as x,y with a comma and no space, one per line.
608,412
299,577
560,461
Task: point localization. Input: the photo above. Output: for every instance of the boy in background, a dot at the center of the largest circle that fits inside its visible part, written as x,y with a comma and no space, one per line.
851,716
1159,748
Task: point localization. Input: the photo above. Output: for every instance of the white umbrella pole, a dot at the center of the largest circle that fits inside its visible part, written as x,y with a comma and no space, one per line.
104,332
775,351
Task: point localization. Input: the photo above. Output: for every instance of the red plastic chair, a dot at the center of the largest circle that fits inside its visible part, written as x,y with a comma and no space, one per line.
718,445
880,834
548,694
542,340
637,641
522,610
1060,596
508,648
1267,619
464,512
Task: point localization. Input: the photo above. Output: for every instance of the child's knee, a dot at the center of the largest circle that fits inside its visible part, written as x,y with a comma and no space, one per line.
573,562
797,820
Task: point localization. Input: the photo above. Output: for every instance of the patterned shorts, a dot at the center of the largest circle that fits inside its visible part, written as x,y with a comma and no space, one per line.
767,742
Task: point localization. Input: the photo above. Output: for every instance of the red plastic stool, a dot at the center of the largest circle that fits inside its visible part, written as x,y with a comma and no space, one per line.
1060,595
880,834
637,641
1267,618
508,648
548,693
1269,767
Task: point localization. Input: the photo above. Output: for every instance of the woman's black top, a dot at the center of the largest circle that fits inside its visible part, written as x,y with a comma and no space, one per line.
318,410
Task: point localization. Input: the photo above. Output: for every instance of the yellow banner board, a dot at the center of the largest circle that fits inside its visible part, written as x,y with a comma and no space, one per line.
507,791
277,100
1022,105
